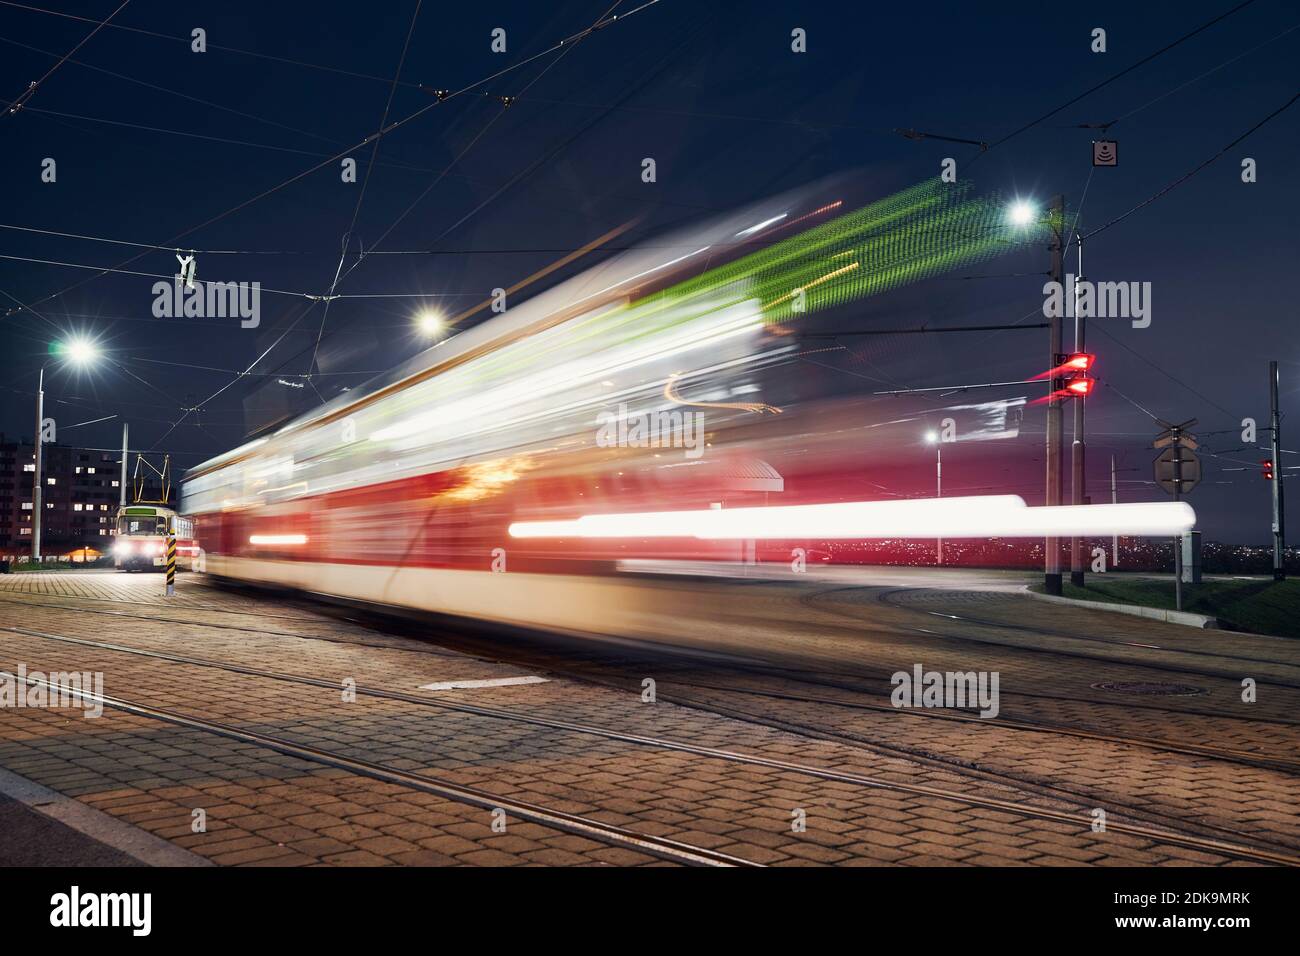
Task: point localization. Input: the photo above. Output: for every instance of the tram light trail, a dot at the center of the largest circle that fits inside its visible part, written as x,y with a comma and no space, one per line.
993,516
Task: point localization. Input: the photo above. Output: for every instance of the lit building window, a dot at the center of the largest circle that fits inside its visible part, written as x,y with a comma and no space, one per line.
27,506
76,507
114,482
24,530
30,467
90,471
78,469
51,481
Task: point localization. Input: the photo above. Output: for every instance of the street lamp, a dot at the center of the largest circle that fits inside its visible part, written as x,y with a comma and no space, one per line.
932,438
80,352
430,322
1022,213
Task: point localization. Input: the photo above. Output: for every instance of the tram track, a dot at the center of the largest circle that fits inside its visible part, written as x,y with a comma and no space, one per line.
1190,840
1252,758
751,664
661,847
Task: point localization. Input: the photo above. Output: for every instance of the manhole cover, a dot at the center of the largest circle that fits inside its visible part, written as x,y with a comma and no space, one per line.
1149,689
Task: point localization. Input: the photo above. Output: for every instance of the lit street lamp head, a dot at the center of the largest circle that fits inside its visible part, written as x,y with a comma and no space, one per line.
79,351
1022,213
430,323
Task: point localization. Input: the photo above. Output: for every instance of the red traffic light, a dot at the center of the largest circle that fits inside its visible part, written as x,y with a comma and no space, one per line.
1267,464
1069,365
1080,386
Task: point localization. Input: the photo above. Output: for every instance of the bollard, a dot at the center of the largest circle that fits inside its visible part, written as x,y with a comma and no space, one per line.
171,565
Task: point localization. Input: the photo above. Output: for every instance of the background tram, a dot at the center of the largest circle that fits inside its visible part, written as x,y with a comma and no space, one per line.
140,538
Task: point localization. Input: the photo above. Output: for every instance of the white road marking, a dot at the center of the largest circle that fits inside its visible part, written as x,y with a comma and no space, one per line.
470,684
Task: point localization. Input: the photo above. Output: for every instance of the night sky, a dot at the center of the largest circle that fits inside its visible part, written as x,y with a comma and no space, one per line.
713,92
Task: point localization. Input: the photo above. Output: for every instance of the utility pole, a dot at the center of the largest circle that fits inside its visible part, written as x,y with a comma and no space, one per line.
37,507
122,482
938,482
1179,450
1279,517
1178,541
1052,546
1077,448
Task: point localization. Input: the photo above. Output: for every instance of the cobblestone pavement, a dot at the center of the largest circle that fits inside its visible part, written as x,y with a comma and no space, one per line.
773,756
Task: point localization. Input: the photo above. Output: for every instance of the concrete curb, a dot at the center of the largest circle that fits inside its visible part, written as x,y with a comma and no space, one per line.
139,844
1185,618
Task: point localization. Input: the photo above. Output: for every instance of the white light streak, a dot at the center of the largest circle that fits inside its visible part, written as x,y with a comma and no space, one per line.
985,516
277,539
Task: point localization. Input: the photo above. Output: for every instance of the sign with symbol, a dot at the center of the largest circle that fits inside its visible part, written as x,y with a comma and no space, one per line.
1105,152
1178,470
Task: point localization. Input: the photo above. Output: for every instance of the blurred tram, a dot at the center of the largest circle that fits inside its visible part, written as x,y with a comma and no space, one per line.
635,386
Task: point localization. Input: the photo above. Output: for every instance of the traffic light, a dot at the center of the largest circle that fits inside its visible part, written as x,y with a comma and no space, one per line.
1072,370
1267,464
1069,378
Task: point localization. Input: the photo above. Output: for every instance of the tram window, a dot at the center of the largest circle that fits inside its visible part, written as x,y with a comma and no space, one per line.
149,525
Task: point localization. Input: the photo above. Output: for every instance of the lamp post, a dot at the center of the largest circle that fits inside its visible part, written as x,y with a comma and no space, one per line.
79,352
1023,214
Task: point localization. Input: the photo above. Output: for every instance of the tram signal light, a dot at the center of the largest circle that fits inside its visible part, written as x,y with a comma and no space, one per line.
1069,366
1079,362
1080,387
1267,464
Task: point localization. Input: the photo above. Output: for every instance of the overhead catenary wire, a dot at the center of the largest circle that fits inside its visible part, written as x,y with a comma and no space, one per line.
187,40
388,128
1167,374
172,92
1124,72
17,104
216,282
383,132
470,145
1187,83
1192,172
361,197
